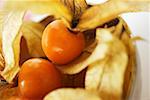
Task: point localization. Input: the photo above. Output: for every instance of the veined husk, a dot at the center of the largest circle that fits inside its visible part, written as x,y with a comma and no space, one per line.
130,74
11,37
123,33
99,14
72,94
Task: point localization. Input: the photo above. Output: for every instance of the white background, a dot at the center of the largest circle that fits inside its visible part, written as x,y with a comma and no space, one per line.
139,24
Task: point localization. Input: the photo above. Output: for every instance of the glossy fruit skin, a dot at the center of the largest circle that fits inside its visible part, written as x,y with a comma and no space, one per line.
20,98
61,45
38,77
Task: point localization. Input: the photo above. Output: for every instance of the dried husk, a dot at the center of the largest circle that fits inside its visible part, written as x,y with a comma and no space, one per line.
108,72
32,33
11,44
72,94
99,14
